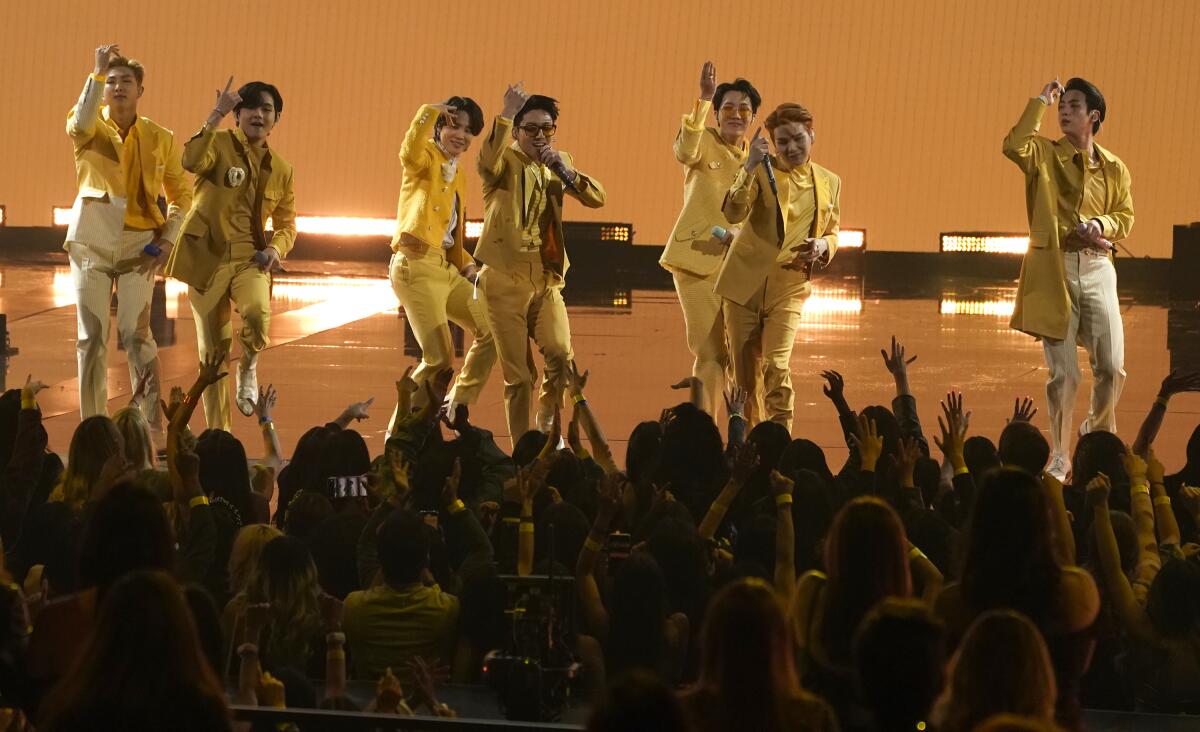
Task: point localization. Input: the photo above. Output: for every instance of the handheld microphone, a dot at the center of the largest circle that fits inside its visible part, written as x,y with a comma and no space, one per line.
770,169
561,171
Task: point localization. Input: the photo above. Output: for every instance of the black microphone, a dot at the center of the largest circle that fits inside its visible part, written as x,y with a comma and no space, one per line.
766,161
561,171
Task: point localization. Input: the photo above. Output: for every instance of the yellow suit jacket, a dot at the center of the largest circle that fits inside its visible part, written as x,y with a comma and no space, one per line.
426,197
215,156
710,165
1043,305
755,249
507,184
100,205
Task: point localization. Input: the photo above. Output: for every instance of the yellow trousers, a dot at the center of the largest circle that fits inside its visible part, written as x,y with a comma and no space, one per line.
761,335
95,271
527,302
239,280
432,292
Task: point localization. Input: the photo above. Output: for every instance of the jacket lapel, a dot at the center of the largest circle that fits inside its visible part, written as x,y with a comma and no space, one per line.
821,197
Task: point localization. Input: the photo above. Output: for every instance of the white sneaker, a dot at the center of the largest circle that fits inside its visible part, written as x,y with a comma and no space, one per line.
247,388
1059,467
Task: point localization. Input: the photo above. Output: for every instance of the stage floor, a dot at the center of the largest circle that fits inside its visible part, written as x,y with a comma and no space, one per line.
336,338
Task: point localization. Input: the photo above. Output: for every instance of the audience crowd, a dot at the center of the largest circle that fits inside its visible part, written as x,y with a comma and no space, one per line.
721,583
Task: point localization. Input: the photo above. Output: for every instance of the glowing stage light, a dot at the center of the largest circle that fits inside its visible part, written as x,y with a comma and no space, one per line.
995,307
3,216
984,243
616,232
852,239
63,216
344,226
473,228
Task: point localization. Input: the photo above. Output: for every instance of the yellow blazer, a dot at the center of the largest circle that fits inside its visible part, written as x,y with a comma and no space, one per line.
426,197
755,249
710,165
207,230
1043,305
100,205
507,184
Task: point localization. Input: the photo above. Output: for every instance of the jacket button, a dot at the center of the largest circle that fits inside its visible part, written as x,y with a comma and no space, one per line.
437,208
443,189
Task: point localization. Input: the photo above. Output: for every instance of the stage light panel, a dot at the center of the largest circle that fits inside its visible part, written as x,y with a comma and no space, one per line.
983,243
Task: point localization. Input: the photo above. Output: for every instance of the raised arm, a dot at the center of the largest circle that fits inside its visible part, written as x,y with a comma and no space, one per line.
1175,382
745,460
744,190
592,607
1124,603
491,152
591,426
1142,510
691,129
198,154
1022,145
785,535
414,150
81,122
1164,516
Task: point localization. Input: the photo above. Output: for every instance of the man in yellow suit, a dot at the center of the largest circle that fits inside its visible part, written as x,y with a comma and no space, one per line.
430,271
1079,202
789,223
224,253
118,236
524,253
711,157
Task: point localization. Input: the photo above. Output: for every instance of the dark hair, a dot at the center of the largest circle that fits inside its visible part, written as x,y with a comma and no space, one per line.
570,531
1092,97
683,557
304,513
900,662
980,455
534,102
802,454
737,85
527,447
344,454
251,95
638,701
142,666
127,530
1023,445
462,104
10,411
224,471
403,547
812,513
483,599
637,609
302,471
207,619
641,452
1008,559
1173,602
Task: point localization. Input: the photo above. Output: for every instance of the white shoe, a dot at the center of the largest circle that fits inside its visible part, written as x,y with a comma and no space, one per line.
1059,467
1084,428
247,388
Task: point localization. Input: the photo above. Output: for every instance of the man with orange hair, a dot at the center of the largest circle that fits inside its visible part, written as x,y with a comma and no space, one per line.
789,223
117,235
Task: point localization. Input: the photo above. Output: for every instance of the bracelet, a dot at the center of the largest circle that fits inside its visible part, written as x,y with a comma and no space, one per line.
964,470
737,415
99,77
247,648
916,553
1162,501
198,501
526,527
337,653
335,637
579,399
1141,489
591,545
783,499
266,422
456,506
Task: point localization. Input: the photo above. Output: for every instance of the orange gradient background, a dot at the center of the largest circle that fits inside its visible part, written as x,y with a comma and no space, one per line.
911,99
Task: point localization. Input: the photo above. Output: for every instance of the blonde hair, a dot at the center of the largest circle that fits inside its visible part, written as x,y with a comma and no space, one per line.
96,439
243,556
135,431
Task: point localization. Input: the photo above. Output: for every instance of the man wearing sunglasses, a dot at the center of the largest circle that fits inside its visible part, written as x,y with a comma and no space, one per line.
711,157
524,253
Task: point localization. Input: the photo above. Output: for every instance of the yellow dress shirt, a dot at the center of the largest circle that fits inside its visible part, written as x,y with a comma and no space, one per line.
535,206
796,187
141,210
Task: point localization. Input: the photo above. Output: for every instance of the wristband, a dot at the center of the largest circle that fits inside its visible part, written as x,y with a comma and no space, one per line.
30,403
724,507
1143,488
591,545
99,77
962,471
198,501
1162,501
916,553
579,399
738,415
783,499
526,527
337,653
266,422
247,648
336,637
457,506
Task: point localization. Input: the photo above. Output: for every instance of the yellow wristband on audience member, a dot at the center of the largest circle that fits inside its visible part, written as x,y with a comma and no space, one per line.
198,501
457,506
526,527
578,398
1162,501
591,545
783,499
916,553
961,471
1141,488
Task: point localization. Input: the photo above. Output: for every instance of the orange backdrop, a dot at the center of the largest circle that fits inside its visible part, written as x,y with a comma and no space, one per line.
911,99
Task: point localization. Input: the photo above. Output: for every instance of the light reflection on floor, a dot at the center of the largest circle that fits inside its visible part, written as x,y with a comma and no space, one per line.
338,339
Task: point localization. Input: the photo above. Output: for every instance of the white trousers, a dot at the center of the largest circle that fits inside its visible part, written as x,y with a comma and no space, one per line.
1095,324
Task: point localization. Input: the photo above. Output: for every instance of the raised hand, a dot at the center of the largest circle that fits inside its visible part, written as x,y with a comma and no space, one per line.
744,463
953,429
757,151
1155,472
388,693
896,362
358,410
1135,467
265,403
708,81
1178,381
735,400
910,452
868,441
1052,91
104,56
116,469
227,99
514,98
32,387
210,369
835,385
1098,490
271,692
1023,410
780,484
553,438
576,382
